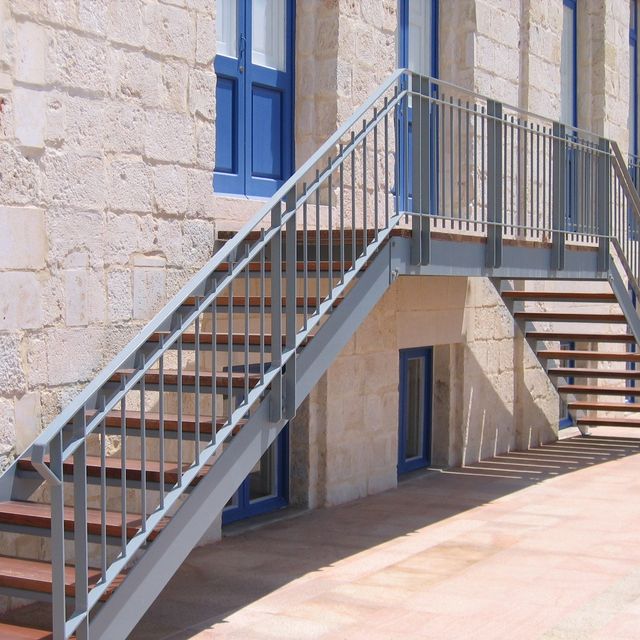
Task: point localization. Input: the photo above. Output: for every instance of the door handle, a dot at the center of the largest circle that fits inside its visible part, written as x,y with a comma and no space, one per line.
243,48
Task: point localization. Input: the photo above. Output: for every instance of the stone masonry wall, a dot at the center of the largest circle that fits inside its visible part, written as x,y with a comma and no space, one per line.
496,398
106,152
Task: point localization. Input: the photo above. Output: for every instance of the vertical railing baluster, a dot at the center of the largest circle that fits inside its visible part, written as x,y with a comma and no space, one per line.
143,450
179,383
262,303
196,445
341,206
386,162
330,225
123,475
246,329
58,578
80,537
353,198
291,203
559,196
230,314
214,368
495,179
276,307
103,499
364,188
305,258
161,443
376,194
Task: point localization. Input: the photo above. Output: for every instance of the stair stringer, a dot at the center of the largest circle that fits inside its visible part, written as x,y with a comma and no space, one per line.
621,293
162,558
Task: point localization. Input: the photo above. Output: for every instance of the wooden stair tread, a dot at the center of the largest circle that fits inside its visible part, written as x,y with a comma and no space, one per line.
38,515
189,377
608,422
573,354
113,469
254,236
596,390
255,301
311,265
13,632
559,296
622,374
556,316
152,421
603,406
581,337
35,575
255,339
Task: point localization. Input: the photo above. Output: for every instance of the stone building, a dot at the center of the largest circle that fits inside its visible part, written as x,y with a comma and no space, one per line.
136,134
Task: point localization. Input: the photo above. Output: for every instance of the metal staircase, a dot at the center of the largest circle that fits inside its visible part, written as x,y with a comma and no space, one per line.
425,178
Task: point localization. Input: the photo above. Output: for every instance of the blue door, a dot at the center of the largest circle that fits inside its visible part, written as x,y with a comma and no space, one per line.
416,390
418,51
254,96
266,488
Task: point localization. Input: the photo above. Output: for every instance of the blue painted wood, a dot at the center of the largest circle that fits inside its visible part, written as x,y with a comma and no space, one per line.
406,154
261,129
405,464
567,345
244,507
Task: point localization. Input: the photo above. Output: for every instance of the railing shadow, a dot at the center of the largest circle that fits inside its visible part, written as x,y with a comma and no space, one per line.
218,580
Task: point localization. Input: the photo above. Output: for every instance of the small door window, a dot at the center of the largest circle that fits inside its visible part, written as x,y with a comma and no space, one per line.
414,446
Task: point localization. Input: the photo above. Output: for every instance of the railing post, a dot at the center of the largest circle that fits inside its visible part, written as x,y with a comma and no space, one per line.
604,203
290,327
275,254
494,184
558,236
58,578
420,170
81,546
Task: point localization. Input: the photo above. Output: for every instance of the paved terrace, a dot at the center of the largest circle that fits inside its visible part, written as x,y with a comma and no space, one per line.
538,544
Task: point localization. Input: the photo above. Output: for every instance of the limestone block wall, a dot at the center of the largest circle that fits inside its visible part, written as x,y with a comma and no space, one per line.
106,152
490,393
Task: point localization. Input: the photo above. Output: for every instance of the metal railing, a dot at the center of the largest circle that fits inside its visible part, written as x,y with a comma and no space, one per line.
419,152
187,381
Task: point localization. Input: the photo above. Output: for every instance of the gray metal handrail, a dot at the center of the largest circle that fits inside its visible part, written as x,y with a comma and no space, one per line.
352,173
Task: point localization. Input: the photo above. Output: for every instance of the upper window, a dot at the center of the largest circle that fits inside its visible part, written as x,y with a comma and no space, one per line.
569,65
419,36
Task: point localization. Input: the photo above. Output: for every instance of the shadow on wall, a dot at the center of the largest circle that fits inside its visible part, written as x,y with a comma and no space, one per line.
503,411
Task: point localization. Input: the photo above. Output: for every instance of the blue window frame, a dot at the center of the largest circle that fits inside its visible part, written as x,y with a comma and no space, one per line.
418,27
266,488
569,102
634,105
254,97
416,391
567,345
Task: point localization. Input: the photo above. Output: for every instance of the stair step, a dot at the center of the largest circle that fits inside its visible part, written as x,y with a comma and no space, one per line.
310,265
254,302
572,354
581,337
621,374
35,576
189,378
152,422
113,469
594,421
38,516
558,296
579,389
554,316
603,406
13,632
237,339
325,235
